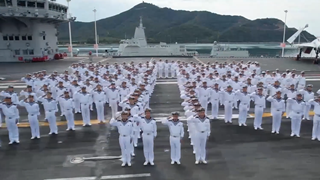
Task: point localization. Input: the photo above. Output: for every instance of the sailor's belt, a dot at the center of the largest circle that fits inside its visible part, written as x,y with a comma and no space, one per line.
85,104
50,110
113,99
202,131
297,112
148,133
31,114
68,109
278,109
229,101
244,103
258,105
175,136
10,117
99,101
215,99
124,135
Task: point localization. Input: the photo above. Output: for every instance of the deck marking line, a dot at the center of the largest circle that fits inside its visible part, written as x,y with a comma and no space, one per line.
122,176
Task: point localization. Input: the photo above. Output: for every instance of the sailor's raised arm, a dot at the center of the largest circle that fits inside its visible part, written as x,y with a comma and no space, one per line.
113,122
270,99
165,121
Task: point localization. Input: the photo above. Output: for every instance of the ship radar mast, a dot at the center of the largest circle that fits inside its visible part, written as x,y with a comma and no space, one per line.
141,24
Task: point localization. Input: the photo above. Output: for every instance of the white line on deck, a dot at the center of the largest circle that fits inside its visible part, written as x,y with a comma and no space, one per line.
107,177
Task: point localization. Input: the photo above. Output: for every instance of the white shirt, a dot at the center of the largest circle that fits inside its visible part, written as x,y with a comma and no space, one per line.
175,128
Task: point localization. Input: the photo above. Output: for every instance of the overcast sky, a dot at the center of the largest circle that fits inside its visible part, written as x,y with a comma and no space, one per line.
300,12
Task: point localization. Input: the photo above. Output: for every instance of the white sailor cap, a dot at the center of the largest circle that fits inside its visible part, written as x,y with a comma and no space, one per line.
263,72
142,84
309,85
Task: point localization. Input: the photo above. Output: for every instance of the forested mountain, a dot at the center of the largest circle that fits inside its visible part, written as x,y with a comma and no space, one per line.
167,25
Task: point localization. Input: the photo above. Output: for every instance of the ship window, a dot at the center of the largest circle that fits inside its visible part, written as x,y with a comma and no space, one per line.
25,52
30,38
40,5
24,38
50,6
17,38
21,3
30,51
44,37
17,52
9,3
5,38
31,4
10,38
2,3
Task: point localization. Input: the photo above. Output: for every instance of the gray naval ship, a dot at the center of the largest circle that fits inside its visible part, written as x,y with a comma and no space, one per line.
29,29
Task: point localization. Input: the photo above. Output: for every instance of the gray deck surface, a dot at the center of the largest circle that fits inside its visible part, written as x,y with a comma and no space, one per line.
234,153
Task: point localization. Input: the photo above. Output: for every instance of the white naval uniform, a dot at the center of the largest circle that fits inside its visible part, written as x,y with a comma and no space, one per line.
33,113
50,108
123,93
11,113
202,133
176,134
74,89
100,99
85,102
125,130
316,119
68,104
113,96
149,129
259,105
296,115
215,98
57,93
306,97
290,94
278,108
203,95
14,96
228,98
244,106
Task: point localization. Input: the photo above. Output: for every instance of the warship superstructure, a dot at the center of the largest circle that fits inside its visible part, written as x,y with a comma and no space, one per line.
29,29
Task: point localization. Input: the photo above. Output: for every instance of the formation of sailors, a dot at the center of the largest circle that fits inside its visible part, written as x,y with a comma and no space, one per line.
235,86
232,86
85,87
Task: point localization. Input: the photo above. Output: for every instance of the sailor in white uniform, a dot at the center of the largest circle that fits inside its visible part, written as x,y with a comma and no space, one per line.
316,118
100,99
259,105
149,132
113,98
298,105
215,97
278,109
85,99
228,98
307,95
125,129
68,104
11,113
176,134
33,112
202,133
51,108
10,93
244,106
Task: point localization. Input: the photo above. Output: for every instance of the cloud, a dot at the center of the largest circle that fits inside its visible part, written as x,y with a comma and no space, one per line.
300,12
